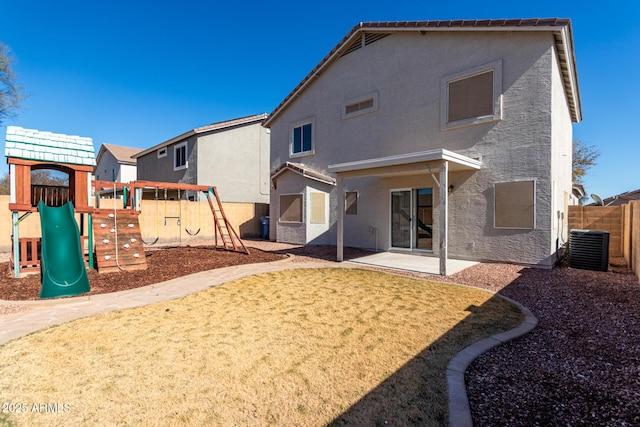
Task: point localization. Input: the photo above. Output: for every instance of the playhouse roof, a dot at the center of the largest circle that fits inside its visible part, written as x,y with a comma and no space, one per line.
32,144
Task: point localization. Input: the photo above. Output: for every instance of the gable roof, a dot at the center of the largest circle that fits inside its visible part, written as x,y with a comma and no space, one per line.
368,32
228,124
620,199
123,155
32,144
304,171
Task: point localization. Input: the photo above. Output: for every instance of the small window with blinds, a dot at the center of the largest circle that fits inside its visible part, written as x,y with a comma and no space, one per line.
472,97
351,203
318,208
291,208
515,204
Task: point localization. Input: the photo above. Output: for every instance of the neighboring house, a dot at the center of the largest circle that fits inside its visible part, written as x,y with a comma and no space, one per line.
232,155
116,163
619,199
450,138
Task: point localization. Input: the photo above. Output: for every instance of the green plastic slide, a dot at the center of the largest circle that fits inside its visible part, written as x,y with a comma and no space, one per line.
61,260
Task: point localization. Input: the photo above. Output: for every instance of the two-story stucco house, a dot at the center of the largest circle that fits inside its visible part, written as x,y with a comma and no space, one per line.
116,163
445,138
232,155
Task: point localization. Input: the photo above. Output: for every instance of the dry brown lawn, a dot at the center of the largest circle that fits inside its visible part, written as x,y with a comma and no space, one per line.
302,347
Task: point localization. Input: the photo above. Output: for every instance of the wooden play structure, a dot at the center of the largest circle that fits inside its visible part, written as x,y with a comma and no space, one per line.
110,255
109,237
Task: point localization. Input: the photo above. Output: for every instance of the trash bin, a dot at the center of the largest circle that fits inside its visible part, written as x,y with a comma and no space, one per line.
264,227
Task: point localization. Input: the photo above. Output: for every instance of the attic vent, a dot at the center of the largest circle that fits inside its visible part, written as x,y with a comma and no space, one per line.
370,38
589,250
364,40
357,44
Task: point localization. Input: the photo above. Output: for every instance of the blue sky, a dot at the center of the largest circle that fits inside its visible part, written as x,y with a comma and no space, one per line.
138,73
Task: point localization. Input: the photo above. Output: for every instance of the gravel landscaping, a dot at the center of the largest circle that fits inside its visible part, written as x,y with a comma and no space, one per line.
579,367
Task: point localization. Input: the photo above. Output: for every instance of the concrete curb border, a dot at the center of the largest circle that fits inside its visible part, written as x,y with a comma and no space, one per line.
459,409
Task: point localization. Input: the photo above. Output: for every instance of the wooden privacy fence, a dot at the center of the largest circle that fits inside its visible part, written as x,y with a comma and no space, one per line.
623,224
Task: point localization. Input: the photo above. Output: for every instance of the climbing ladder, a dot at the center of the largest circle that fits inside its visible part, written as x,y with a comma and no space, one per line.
230,239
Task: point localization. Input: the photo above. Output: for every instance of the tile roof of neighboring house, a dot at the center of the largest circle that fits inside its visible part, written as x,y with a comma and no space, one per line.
123,155
204,129
561,29
32,144
620,199
304,171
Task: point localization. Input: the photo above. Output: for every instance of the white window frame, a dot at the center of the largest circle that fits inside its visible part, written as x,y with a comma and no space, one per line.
162,152
357,193
300,124
496,67
371,96
186,156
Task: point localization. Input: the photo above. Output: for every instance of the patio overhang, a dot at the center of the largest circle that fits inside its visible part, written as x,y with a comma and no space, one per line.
405,164
428,162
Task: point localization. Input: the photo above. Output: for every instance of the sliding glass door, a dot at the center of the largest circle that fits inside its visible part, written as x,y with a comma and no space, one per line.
412,219
401,219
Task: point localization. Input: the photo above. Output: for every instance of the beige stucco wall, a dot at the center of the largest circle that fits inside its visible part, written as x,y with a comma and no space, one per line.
236,161
405,70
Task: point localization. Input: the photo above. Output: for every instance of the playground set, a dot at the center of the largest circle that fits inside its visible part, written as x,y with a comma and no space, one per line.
107,238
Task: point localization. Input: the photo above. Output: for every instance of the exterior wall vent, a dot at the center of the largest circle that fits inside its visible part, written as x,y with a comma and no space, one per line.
589,250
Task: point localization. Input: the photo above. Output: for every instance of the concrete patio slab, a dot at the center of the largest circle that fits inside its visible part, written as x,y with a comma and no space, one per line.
412,262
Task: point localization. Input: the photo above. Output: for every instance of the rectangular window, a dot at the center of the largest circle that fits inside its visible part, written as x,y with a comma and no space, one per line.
351,203
291,208
302,139
364,104
162,152
472,97
318,203
180,156
515,205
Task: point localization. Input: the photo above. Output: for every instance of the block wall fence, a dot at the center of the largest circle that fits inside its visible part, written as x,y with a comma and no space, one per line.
622,223
169,221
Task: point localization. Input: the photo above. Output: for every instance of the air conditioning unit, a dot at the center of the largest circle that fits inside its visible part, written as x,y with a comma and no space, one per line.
589,250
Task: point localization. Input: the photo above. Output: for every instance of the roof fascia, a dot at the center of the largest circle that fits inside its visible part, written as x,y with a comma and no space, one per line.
103,148
165,144
567,42
200,130
301,173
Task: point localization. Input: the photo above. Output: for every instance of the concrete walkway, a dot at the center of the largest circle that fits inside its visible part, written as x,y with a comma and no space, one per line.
32,316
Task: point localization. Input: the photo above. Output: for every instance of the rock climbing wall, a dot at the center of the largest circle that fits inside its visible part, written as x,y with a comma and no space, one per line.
117,240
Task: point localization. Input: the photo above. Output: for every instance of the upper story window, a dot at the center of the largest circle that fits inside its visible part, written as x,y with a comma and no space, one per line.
362,105
473,96
180,156
302,138
162,152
